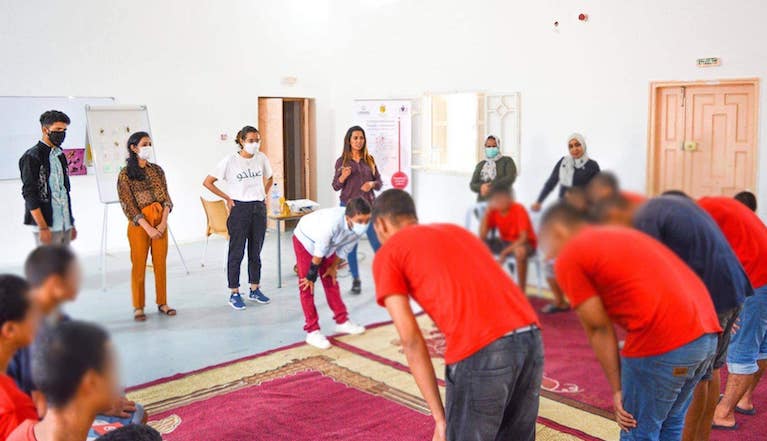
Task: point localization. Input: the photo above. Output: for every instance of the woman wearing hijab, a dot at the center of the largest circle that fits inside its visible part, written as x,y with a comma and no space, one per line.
495,170
573,170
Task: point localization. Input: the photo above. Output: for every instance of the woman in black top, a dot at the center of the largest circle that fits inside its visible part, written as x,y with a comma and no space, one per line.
494,170
573,170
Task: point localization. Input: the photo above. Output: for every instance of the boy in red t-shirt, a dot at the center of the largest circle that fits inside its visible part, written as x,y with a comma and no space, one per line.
512,223
494,354
18,325
617,275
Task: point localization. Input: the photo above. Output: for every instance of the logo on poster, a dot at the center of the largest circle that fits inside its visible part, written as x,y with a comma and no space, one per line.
399,180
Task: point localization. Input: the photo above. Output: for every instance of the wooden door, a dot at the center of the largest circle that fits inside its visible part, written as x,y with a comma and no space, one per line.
270,126
704,138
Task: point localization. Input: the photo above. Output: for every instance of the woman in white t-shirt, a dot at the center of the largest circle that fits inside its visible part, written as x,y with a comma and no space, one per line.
248,176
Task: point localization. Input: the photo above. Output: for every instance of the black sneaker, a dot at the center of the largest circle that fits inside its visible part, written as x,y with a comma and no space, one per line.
356,287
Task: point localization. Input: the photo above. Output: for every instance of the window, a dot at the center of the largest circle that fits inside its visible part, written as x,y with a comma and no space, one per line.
449,130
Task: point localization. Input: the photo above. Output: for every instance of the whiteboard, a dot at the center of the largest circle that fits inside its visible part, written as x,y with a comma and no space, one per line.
109,128
20,125
388,129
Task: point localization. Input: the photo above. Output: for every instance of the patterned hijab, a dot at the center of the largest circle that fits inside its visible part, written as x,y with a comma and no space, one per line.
489,171
569,164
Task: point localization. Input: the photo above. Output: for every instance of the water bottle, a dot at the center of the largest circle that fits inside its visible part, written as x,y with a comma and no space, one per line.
274,203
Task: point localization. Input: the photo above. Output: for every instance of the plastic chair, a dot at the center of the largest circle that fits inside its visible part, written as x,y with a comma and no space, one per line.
217,213
473,221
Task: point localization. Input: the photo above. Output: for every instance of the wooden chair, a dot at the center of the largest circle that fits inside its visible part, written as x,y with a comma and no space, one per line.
216,212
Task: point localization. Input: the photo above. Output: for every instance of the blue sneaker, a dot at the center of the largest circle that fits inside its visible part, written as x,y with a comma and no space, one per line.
236,302
258,297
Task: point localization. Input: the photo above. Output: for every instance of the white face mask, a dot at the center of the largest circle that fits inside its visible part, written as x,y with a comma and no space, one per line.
252,147
359,229
145,152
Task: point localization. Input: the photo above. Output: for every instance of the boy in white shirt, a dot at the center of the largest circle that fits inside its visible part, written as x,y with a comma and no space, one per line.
322,240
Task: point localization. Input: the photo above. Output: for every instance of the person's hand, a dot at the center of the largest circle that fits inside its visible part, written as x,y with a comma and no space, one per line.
162,227
367,186
73,234
345,173
229,203
624,419
440,431
304,284
46,237
122,408
536,207
153,233
484,189
332,272
735,327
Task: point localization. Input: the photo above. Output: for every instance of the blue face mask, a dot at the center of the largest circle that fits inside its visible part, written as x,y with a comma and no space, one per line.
359,229
492,152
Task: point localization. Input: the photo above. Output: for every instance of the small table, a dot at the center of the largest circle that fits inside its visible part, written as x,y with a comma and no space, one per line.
279,219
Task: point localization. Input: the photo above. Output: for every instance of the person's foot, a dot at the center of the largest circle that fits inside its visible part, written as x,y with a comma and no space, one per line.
553,309
236,302
257,296
316,339
723,420
350,327
138,315
356,287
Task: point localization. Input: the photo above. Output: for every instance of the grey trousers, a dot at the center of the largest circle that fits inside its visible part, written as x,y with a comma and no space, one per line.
57,238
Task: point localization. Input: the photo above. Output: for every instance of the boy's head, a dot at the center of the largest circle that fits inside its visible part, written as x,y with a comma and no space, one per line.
602,186
74,363
500,197
558,225
132,432
54,274
393,210
18,318
576,198
358,212
53,125
748,199
615,210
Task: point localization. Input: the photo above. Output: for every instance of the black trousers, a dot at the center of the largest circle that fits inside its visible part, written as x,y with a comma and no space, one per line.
494,394
247,226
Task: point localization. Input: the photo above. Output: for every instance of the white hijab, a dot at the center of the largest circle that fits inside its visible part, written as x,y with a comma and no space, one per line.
489,171
569,164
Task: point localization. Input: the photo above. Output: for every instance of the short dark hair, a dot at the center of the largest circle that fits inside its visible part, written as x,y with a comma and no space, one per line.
46,261
607,179
679,193
51,117
601,209
747,198
14,302
501,189
358,206
564,213
62,357
132,432
394,204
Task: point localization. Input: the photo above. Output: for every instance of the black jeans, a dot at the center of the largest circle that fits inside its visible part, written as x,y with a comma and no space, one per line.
494,394
247,225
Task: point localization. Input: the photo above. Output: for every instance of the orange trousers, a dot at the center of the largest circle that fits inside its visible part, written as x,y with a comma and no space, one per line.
140,244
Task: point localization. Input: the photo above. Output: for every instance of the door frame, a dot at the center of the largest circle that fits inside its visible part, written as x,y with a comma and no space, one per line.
652,188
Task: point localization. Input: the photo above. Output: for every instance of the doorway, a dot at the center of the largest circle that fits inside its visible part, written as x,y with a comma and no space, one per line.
288,140
703,137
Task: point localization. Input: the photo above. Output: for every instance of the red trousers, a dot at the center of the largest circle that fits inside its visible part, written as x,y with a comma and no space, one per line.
332,291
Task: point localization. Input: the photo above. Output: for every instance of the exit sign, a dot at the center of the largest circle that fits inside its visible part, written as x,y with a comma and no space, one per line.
709,62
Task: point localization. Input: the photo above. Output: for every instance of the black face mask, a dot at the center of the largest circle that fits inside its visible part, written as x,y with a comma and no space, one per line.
57,138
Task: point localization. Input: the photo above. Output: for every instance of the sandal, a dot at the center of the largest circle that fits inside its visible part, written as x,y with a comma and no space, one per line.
166,310
553,309
138,315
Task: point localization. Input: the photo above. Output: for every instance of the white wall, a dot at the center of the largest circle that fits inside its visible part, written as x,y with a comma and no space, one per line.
590,77
200,66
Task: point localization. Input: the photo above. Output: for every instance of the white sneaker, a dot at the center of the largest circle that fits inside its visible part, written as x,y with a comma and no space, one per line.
350,328
316,339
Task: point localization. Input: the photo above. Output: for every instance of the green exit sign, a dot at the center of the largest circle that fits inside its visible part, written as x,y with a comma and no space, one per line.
709,62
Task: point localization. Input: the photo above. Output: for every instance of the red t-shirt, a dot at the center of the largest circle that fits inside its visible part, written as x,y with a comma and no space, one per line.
745,232
25,432
645,288
15,406
512,224
455,279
